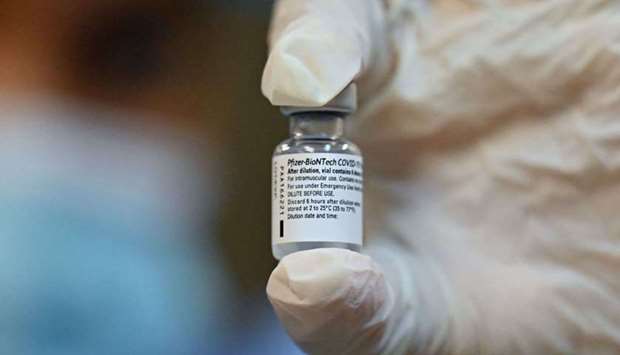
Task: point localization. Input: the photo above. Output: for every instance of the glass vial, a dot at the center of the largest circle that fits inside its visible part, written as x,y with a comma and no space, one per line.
317,186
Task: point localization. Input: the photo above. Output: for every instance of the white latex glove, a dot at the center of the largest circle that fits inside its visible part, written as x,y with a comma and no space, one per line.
504,240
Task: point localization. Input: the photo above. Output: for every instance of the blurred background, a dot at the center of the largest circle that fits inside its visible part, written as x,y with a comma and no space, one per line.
134,178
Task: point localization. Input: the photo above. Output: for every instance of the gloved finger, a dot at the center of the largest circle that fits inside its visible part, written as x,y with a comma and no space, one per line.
319,46
332,301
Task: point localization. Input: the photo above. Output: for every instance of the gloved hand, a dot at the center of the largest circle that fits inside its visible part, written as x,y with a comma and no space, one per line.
503,240
335,301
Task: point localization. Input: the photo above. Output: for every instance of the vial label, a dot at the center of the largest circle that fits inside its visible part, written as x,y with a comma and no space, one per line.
317,197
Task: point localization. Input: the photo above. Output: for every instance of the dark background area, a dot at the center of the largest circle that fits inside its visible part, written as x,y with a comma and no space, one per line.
191,68
201,61
256,128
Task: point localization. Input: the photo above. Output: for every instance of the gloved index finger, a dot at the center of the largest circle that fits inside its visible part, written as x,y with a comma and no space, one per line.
318,47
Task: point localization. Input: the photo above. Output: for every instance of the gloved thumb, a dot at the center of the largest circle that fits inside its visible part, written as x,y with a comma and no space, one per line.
318,47
332,301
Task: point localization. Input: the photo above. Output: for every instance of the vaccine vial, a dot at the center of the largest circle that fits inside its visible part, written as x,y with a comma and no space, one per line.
317,181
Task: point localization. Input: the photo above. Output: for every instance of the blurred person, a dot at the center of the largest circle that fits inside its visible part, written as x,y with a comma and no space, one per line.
109,187
491,136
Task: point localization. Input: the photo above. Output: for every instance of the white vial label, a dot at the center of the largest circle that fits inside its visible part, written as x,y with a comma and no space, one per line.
317,197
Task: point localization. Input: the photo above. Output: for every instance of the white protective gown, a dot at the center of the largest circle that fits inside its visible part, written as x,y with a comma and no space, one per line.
491,134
